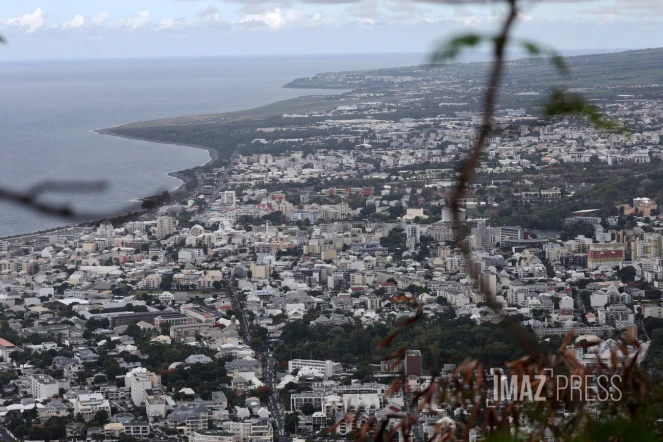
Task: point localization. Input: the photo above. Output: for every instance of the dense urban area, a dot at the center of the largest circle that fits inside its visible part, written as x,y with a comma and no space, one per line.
248,305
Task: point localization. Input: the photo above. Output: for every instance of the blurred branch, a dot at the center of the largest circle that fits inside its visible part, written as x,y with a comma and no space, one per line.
535,50
30,198
469,168
562,103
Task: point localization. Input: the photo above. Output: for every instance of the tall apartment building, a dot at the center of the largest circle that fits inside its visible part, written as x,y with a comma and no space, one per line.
604,255
488,283
139,380
413,363
135,227
43,386
615,313
260,271
165,226
413,231
228,197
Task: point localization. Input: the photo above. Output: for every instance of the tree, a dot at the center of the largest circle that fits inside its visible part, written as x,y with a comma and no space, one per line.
264,393
133,330
291,422
626,274
308,409
100,418
166,281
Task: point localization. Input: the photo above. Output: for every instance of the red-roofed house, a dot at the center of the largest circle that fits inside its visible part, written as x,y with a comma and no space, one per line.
6,347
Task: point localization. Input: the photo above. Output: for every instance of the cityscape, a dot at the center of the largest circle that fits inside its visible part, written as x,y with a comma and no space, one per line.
340,269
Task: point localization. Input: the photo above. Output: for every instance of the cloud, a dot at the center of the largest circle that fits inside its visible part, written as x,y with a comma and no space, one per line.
367,9
100,18
210,17
209,11
275,19
289,2
626,11
492,2
30,21
136,21
76,22
471,20
167,23
330,2
650,5
522,16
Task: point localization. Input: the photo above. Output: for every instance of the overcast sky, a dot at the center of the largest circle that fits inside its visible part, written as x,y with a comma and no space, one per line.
46,29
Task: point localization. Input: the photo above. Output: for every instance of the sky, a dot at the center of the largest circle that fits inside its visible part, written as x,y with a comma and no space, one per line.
81,29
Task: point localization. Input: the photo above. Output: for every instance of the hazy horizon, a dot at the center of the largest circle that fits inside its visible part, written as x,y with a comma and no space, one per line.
47,29
469,56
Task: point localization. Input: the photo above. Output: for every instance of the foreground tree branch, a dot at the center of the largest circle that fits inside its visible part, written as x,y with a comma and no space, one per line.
469,168
31,198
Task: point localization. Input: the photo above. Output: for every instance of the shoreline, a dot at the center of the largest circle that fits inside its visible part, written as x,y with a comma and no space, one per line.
179,174
135,204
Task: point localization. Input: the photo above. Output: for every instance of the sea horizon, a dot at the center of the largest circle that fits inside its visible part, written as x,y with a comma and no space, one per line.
472,53
53,108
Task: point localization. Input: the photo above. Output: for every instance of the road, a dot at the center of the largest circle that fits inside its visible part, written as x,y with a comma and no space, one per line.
411,411
5,435
274,405
244,330
277,411
222,183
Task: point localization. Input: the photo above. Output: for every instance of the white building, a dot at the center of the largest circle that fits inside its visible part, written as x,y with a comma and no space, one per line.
88,404
44,386
212,436
139,380
228,198
165,226
328,368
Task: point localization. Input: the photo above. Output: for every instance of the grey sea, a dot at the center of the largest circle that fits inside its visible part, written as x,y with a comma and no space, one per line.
49,110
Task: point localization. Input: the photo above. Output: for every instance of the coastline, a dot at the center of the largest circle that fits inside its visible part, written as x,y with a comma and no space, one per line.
133,207
213,153
179,174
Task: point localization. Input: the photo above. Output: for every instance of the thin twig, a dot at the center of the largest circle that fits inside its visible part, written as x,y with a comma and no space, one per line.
469,168
30,198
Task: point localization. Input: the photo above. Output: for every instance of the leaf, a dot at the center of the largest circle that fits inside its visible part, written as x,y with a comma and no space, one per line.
2,39
534,50
449,50
561,102
567,339
386,341
560,64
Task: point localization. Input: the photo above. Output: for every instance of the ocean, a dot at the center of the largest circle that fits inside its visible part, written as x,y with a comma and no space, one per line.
50,109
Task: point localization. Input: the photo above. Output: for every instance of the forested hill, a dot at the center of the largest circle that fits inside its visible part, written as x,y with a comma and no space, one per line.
637,67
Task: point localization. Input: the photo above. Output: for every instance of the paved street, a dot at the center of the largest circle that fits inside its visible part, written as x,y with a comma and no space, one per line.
277,412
